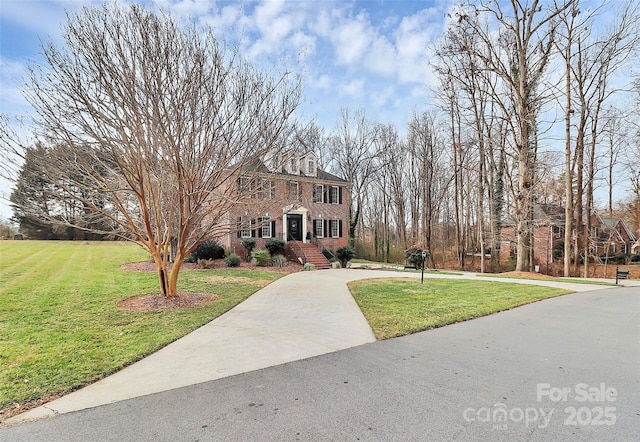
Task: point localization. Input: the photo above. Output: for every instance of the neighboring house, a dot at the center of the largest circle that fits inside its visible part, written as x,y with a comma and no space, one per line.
290,198
548,232
608,236
635,248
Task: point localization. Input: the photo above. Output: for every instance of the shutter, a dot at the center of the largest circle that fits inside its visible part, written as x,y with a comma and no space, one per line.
273,229
340,228
324,196
259,229
315,228
326,233
239,233
339,195
330,196
253,230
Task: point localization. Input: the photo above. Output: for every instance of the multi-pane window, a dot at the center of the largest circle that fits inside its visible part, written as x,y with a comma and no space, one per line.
245,227
267,189
244,185
311,167
319,228
334,226
334,194
294,191
293,165
318,193
265,223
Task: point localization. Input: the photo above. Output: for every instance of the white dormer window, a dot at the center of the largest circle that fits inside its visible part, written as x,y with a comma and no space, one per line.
293,166
309,164
276,163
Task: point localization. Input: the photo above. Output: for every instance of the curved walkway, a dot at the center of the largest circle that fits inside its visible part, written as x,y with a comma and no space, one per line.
299,316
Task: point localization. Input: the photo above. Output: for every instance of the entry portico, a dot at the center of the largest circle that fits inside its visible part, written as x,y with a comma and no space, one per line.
294,223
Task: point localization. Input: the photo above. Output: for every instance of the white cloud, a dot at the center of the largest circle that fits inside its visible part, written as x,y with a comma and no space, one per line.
381,57
350,36
187,8
324,83
413,37
384,96
353,88
226,20
12,78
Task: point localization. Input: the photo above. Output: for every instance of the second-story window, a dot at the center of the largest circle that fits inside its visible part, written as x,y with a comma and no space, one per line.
294,191
335,195
267,190
244,185
311,167
318,193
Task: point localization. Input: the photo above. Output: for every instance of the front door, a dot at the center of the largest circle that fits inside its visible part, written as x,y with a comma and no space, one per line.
294,227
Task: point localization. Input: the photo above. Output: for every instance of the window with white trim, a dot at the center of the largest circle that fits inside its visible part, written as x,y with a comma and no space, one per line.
319,228
294,191
267,189
318,193
244,185
265,226
245,227
334,226
311,167
293,166
334,195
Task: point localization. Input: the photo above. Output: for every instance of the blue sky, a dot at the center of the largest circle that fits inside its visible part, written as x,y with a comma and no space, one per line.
361,54
370,54
364,54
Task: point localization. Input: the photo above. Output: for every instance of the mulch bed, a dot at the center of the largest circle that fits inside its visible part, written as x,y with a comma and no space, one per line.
157,301
147,266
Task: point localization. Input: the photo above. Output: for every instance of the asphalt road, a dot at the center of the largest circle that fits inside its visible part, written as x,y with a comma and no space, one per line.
566,368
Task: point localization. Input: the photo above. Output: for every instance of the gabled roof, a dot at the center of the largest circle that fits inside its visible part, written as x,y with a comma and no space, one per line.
544,215
548,214
611,223
257,165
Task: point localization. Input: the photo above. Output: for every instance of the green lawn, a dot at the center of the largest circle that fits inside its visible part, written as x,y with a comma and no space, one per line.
60,327
401,306
542,277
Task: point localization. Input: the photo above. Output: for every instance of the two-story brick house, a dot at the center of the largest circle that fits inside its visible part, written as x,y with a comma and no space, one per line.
291,198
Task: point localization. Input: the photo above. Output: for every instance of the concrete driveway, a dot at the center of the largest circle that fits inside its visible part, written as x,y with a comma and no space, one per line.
439,384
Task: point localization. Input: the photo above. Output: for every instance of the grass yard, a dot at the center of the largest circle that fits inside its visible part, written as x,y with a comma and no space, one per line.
60,327
541,277
397,307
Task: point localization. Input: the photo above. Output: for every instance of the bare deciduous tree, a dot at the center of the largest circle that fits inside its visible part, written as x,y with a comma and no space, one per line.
354,158
156,121
518,57
590,62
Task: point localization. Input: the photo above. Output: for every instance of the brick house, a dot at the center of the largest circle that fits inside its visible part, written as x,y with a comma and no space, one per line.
548,235
290,198
547,231
610,236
